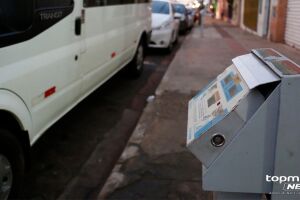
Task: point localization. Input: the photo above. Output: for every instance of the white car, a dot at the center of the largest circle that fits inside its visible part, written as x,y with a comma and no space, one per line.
52,55
165,27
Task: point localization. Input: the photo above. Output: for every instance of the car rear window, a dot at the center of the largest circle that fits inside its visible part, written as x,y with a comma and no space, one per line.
160,7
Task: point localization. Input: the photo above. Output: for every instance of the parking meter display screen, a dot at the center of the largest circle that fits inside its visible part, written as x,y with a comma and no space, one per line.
214,102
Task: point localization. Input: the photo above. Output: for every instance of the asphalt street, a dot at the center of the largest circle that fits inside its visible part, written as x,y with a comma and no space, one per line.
76,155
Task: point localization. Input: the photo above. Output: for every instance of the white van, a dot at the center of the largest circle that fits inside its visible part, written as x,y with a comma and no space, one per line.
53,53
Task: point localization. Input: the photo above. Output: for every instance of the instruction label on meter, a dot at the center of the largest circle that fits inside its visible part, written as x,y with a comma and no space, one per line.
214,102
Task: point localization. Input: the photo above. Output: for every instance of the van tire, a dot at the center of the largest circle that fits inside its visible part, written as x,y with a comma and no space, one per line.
12,159
136,66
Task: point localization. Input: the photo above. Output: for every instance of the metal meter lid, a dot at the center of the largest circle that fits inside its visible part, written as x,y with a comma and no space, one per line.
253,71
280,64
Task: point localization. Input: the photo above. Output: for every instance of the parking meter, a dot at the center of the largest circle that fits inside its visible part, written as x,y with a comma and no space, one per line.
244,126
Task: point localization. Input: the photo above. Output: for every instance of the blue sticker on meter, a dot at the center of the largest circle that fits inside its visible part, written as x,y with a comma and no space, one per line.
230,88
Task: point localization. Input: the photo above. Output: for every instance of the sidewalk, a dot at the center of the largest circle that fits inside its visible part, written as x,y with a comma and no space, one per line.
156,164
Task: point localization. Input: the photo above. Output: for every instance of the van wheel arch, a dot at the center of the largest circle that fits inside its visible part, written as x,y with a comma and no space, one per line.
15,150
9,122
12,166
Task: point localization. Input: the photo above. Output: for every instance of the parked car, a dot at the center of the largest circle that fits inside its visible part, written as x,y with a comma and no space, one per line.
182,15
165,27
191,15
53,54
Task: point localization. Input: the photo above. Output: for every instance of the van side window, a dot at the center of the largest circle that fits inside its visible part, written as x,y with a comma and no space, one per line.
21,20
53,3
15,15
92,3
142,1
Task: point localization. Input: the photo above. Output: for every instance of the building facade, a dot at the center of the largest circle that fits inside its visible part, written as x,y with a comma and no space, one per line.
277,20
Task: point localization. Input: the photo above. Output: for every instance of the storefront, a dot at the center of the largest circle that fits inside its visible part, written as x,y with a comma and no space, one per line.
292,29
255,16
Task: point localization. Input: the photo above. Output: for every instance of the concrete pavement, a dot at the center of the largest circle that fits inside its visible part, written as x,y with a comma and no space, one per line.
156,163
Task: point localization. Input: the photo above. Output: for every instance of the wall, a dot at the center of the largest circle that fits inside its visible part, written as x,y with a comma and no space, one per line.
263,17
277,20
236,12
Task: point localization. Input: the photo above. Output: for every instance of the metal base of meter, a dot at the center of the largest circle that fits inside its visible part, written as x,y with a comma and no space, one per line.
236,196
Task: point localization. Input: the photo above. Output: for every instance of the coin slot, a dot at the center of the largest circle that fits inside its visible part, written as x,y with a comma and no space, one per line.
218,140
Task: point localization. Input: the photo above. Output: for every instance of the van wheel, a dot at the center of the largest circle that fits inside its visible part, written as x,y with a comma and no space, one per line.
11,166
136,66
